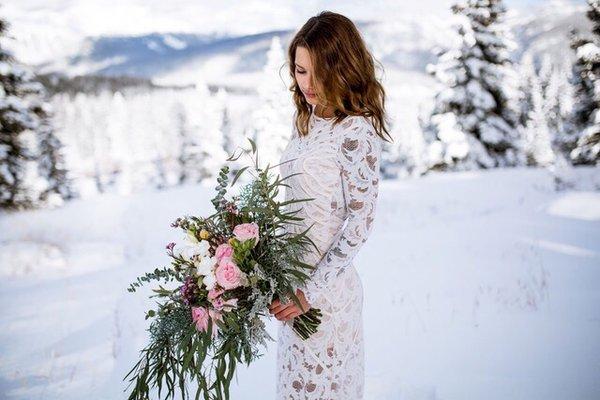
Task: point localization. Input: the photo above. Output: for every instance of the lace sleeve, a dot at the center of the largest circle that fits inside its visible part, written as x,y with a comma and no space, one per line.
359,160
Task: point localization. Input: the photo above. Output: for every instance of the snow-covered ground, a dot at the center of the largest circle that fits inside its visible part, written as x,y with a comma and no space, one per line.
478,285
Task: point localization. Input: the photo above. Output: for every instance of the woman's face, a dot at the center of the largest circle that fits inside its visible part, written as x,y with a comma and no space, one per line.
304,75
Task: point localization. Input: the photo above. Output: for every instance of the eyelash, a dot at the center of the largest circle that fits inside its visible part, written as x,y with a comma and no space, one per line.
301,72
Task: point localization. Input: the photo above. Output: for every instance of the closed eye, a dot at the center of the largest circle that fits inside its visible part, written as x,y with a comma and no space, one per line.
301,72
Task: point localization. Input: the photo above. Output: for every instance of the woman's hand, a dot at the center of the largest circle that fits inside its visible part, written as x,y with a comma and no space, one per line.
287,311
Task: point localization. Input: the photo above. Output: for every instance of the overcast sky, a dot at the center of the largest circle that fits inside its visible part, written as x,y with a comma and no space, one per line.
101,17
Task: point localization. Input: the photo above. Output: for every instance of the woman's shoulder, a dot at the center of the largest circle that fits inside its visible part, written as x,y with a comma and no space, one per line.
357,140
358,128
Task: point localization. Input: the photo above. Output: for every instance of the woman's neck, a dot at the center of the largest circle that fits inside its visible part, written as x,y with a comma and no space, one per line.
324,113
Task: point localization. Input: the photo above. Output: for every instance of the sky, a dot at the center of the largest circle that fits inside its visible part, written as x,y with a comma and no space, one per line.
98,17
45,29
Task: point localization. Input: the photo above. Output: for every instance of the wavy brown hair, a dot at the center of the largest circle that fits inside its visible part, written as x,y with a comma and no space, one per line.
343,72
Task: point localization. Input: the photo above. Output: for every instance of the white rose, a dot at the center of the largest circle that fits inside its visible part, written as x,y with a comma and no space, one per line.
201,249
205,265
210,281
204,246
188,252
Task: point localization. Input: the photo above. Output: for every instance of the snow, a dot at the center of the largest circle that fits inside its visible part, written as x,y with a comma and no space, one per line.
478,285
584,206
588,52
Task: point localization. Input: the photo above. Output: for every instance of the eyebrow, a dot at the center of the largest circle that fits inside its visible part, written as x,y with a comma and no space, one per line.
298,65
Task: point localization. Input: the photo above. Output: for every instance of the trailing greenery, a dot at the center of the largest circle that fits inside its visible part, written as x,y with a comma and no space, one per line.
206,325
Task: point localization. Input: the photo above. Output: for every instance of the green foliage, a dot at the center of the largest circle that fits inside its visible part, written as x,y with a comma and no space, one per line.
178,352
164,273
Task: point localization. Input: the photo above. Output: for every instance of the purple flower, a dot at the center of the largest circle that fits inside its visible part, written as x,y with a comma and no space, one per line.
231,207
170,247
189,291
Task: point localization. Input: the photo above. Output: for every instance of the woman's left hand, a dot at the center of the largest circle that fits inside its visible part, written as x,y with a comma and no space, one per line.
287,311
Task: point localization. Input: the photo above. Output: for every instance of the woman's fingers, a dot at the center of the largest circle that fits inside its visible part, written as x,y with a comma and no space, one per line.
280,306
284,314
279,312
274,305
277,309
293,315
285,311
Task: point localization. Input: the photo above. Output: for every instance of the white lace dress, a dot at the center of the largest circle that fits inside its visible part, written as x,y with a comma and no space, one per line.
339,168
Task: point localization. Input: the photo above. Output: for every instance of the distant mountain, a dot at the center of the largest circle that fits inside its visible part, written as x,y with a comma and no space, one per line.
181,58
404,45
154,54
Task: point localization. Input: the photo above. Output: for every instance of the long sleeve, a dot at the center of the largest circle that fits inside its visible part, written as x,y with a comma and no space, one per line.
358,161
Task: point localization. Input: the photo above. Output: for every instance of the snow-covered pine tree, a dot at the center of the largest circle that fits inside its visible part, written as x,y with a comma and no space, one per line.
229,143
527,75
559,103
473,122
202,140
586,81
270,124
533,108
15,121
190,155
536,134
50,160
31,167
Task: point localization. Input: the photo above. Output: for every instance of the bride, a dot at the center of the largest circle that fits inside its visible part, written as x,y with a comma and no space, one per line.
336,144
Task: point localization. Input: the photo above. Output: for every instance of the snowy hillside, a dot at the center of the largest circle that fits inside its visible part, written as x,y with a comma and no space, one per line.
184,43
478,285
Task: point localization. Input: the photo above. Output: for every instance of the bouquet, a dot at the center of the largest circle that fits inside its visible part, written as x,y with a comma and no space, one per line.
233,264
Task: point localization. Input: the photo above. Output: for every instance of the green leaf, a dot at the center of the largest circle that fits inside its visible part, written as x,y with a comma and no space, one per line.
238,174
253,145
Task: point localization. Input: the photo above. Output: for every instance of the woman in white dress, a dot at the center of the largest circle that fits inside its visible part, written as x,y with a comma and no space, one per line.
336,147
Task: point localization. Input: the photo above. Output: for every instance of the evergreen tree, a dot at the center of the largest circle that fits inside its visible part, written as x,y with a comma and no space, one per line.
51,164
539,118
229,142
270,123
586,81
527,76
545,101
537,141
202,150
190,153
15,121
32,171
473,122
559,103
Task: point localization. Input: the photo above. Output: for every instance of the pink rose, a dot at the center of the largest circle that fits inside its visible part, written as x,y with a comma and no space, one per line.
223,250
200,316
214,293
228,274
214,296
247,231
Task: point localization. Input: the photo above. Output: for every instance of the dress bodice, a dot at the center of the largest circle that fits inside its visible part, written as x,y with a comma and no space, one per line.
338,167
